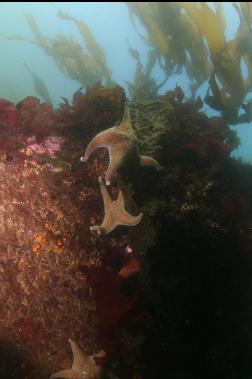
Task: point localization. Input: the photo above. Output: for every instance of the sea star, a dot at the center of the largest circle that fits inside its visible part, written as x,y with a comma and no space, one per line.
121,142
115,213
84,366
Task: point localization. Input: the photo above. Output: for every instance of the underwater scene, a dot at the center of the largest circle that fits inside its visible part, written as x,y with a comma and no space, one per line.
126,190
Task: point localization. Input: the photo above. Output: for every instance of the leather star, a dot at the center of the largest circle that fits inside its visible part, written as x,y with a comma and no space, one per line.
84,366
115,213
121,142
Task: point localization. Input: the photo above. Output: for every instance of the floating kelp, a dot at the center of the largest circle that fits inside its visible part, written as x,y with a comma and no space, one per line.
181,36
86,67
180,45
192,36
35,29
39,85
144,86
91,44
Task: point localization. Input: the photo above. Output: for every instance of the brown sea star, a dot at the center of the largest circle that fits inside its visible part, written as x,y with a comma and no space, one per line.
115,213
121,142
84,366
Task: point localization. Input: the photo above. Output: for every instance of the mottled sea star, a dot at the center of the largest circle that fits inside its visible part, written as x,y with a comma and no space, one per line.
121,142
115,213
83,367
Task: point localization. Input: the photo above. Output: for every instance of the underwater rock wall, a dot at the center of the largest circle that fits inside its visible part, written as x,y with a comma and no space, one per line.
144,295
58,280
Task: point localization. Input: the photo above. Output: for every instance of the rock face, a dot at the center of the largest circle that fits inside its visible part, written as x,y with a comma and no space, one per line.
49,200
44,296
129,292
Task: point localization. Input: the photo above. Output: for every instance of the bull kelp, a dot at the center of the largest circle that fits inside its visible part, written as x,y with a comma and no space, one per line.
125,219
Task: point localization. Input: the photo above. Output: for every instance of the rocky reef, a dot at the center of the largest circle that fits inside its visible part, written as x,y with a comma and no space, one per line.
171,294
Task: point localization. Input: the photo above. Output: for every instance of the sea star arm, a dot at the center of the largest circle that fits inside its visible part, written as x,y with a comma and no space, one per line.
108,224
105,194
101,354
116,154
100,140
120,199
125,124
69,374
78,356
98,229
148,161
124,218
